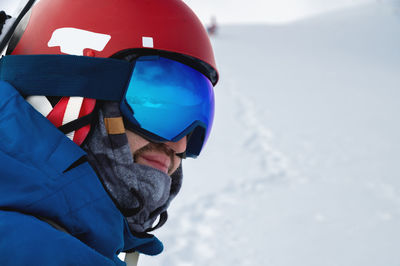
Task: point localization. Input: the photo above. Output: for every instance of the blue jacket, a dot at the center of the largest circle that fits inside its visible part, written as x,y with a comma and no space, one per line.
36,185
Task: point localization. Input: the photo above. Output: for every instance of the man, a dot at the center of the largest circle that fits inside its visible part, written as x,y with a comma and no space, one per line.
130,82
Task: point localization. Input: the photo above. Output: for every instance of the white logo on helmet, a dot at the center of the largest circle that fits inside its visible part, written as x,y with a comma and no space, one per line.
148,42
73,41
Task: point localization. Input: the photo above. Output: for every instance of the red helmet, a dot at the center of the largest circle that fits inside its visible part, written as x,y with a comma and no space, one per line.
104,28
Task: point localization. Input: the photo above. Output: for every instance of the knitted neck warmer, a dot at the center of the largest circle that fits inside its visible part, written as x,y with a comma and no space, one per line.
140,192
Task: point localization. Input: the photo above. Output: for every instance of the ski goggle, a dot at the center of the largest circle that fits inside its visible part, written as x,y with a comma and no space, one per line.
166,100
161,99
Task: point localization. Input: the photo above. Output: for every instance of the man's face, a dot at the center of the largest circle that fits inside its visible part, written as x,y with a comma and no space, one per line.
161,156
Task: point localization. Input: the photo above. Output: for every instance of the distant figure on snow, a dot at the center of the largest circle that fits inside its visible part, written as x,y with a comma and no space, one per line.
212,28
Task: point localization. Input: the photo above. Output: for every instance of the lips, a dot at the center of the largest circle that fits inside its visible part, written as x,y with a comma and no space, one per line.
158,161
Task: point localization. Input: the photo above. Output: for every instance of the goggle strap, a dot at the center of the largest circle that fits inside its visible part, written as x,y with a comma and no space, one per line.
67,75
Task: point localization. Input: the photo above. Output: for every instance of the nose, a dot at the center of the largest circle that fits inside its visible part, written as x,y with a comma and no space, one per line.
178,146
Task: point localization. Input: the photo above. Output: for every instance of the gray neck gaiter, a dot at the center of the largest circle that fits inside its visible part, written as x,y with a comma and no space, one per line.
140,192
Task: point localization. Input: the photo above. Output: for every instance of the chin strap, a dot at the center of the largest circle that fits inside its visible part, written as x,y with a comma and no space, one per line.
162,220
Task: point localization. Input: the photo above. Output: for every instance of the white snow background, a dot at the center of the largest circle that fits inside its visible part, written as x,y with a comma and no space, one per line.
303,165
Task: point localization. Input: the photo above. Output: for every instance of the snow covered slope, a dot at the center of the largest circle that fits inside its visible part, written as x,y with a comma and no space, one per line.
303,167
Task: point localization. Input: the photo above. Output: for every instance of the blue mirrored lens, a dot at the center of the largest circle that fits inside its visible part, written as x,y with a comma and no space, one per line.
170,99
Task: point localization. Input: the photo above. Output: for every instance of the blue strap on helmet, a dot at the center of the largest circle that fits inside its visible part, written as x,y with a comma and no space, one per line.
67,75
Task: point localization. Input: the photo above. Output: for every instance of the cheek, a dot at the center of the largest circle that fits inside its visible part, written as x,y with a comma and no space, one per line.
135,142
